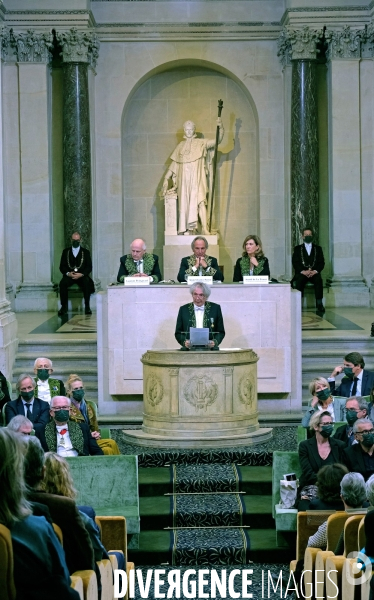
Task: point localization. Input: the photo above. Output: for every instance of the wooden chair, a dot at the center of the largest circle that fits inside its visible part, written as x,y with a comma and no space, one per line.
106,573
113,533
77,585
58,532
7,587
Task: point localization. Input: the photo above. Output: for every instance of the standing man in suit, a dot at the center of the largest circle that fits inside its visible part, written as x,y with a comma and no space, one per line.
36,410
200,313
76,266
360,457
139,263
308,262
357,381
65,437
199,263
46,387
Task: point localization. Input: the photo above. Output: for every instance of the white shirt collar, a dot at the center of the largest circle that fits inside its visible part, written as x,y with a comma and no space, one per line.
308,246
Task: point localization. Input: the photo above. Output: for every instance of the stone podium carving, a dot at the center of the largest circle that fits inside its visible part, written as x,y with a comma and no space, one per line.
191,175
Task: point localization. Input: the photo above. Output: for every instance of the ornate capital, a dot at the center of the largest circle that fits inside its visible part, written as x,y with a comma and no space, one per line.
32,46
298,44
367,42
345,43
79,46
4,41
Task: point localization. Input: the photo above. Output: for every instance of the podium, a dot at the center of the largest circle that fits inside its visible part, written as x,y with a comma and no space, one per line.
199,399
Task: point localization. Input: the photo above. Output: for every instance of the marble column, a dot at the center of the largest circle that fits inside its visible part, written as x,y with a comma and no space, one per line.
32,54
8,322
79,50
347,287
300,46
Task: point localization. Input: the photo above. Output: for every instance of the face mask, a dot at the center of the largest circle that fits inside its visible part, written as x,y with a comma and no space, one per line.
308,239
43,374
327,430
62,416
348,371
323,394
368,440
78,395
75,243
351,417
27,395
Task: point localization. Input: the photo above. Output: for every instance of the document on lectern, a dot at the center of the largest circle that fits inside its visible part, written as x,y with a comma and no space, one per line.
199,336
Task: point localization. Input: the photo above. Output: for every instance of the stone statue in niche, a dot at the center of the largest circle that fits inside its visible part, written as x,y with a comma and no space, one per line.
191,175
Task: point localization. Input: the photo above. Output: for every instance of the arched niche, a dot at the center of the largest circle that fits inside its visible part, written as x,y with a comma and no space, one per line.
152,123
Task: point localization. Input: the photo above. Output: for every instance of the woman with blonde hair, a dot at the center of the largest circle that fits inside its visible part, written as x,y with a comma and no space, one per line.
322,400
253,261
81,411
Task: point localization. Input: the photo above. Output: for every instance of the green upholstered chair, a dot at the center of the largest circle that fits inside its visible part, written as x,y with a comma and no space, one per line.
285,518
110,485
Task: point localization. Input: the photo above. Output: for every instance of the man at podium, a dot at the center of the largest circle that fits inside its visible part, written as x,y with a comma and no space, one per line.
200,313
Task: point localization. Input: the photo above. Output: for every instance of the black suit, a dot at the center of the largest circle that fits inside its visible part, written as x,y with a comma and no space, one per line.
90,445
83,263
186,319
184,266
342,435
311,462
354,460
124,272
301,261
40,412
344,388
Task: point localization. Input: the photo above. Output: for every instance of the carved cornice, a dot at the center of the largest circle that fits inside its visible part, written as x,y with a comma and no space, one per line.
345,43
79,46
32,46
4,42
298,44
367,42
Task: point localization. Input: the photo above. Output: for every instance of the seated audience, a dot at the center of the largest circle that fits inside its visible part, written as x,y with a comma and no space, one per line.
66,437
357,381
46,386
318,451
21,425
199,263
139,263
81,412
355,408
328,488
27,404
371,406
252,261
4,392
360,457
353,494
40,570
77,545
322,400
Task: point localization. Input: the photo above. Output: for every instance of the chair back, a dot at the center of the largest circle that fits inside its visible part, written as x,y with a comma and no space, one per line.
307,524
58,532
361,534
350,534
7,587
113,533
335,526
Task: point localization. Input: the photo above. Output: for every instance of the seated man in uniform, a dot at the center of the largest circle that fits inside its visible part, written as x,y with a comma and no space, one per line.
46,386
199,263
76,266
139,263
200,313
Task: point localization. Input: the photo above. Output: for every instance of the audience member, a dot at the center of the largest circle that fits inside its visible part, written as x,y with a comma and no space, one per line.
4,392
253,260
46,386
78,549
328,488
66,437
21,425
316,452
40,571
27,404
360,457
81,412
322,400
355,408
199,263
371,406
357,381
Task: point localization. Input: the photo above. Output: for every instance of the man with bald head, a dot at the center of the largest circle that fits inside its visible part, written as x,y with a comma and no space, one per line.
66,437
139,263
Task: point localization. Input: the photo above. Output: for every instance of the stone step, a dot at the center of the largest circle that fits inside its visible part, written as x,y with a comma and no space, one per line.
37,346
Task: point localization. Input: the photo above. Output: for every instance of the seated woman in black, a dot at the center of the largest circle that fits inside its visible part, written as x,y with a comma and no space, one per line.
252,261
315,453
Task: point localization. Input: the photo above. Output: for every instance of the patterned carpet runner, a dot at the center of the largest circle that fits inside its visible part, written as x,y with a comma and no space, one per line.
207,515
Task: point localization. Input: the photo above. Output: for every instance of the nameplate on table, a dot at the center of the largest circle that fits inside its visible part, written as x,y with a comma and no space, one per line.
208,279
137,280
251,279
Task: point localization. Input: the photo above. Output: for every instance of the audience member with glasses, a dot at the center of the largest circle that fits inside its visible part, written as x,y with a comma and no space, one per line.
360,457
354,409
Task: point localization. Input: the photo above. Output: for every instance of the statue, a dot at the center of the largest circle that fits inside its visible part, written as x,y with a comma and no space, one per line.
191,174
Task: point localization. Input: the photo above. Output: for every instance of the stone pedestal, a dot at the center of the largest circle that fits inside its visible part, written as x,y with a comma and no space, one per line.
178,246
199,399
